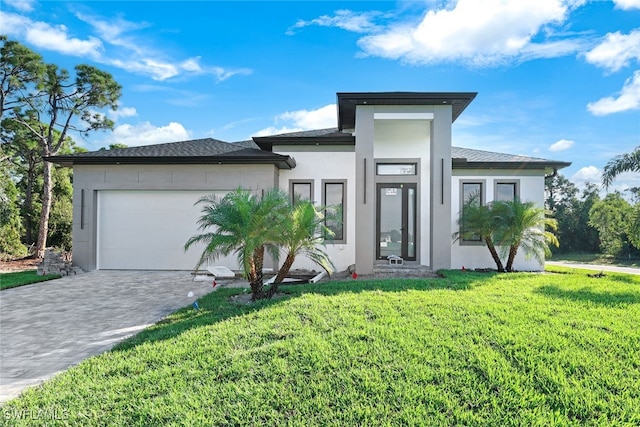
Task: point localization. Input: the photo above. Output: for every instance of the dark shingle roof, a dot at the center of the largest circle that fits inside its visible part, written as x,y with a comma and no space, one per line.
213,151
198,151
467,158
330,136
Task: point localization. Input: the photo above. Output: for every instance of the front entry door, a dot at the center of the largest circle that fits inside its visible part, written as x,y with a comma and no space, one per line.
396,221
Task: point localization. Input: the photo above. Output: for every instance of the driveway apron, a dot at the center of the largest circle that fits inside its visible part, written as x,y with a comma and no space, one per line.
45,328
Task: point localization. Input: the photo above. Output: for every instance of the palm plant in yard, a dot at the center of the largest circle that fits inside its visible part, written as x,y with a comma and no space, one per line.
522,225
303,235
627,162
247,225
244,224
477,221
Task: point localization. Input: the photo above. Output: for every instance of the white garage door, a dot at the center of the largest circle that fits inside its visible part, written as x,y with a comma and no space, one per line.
147,230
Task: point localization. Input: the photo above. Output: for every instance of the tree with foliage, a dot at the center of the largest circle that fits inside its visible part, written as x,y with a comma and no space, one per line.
522,225
627,162
19,68
612,217
10,224
477,221
243,224
302,234
506,227
49,105
571,208
247,225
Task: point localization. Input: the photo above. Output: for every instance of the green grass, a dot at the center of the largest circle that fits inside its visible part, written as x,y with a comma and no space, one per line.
521,349
591,258
20,278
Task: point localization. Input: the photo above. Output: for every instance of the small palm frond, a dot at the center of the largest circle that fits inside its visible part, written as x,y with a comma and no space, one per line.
628,162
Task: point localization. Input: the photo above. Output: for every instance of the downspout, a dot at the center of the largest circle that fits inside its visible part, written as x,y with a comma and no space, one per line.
553,175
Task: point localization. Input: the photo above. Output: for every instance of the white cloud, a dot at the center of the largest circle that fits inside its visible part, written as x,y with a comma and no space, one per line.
122,49
46,36
273,130
324,117
587,174
561,145
299,120
357,22
480,33
137,58
616,51
122,112
146,134
21,5
158,70
628,99
627,4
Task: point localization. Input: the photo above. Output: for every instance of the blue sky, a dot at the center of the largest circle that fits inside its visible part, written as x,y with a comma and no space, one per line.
557,79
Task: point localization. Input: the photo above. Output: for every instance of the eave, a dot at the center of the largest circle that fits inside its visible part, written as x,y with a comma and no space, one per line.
285,162
348,101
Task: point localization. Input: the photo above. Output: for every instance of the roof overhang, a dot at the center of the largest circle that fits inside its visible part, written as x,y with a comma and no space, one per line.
348,101
282,162
336,138
461,163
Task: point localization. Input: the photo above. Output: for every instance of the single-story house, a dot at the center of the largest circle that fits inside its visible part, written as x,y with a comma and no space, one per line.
389,164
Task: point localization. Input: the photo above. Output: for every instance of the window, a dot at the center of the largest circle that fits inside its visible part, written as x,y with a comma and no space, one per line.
334,201
471,190
396,169
506,190
301,190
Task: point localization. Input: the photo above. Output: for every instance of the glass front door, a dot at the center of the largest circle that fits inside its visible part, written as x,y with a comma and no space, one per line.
396,221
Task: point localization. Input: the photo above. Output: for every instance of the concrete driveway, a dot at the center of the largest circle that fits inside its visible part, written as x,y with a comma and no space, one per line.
596,267
45,328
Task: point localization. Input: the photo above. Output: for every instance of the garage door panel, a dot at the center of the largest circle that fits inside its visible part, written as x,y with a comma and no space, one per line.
148,230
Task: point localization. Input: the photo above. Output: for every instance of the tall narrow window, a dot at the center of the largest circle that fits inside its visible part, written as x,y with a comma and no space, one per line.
301,190
471,192
506,191
334,198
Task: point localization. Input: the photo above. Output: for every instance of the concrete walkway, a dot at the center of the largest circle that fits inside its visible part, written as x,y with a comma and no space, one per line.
612,268
47,327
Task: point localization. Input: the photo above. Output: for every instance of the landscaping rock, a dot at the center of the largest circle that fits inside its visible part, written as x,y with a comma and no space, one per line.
57,263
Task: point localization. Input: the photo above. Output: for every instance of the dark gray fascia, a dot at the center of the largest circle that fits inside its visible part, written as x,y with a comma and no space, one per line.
347,102
286,162
266,142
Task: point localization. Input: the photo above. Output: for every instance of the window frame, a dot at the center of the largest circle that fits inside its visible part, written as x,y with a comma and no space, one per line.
483,201
514,182
395,163
344,208
293,182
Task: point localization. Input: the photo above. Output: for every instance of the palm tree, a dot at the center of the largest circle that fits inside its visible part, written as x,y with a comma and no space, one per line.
303,235
628,162
523,225
477,221
244,224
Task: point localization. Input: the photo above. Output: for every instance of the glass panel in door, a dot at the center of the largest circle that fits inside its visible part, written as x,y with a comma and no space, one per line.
396,221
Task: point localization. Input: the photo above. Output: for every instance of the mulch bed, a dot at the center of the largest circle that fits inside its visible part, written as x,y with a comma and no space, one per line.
23,264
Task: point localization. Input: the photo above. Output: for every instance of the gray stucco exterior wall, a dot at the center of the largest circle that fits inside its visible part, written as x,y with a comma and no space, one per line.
441,187
365,204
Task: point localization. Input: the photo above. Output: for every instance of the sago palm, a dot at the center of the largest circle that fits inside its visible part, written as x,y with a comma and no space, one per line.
524,226
243,224
477,221
303,236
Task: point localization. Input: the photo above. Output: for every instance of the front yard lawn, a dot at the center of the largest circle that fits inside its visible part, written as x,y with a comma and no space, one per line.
20,278
470,349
